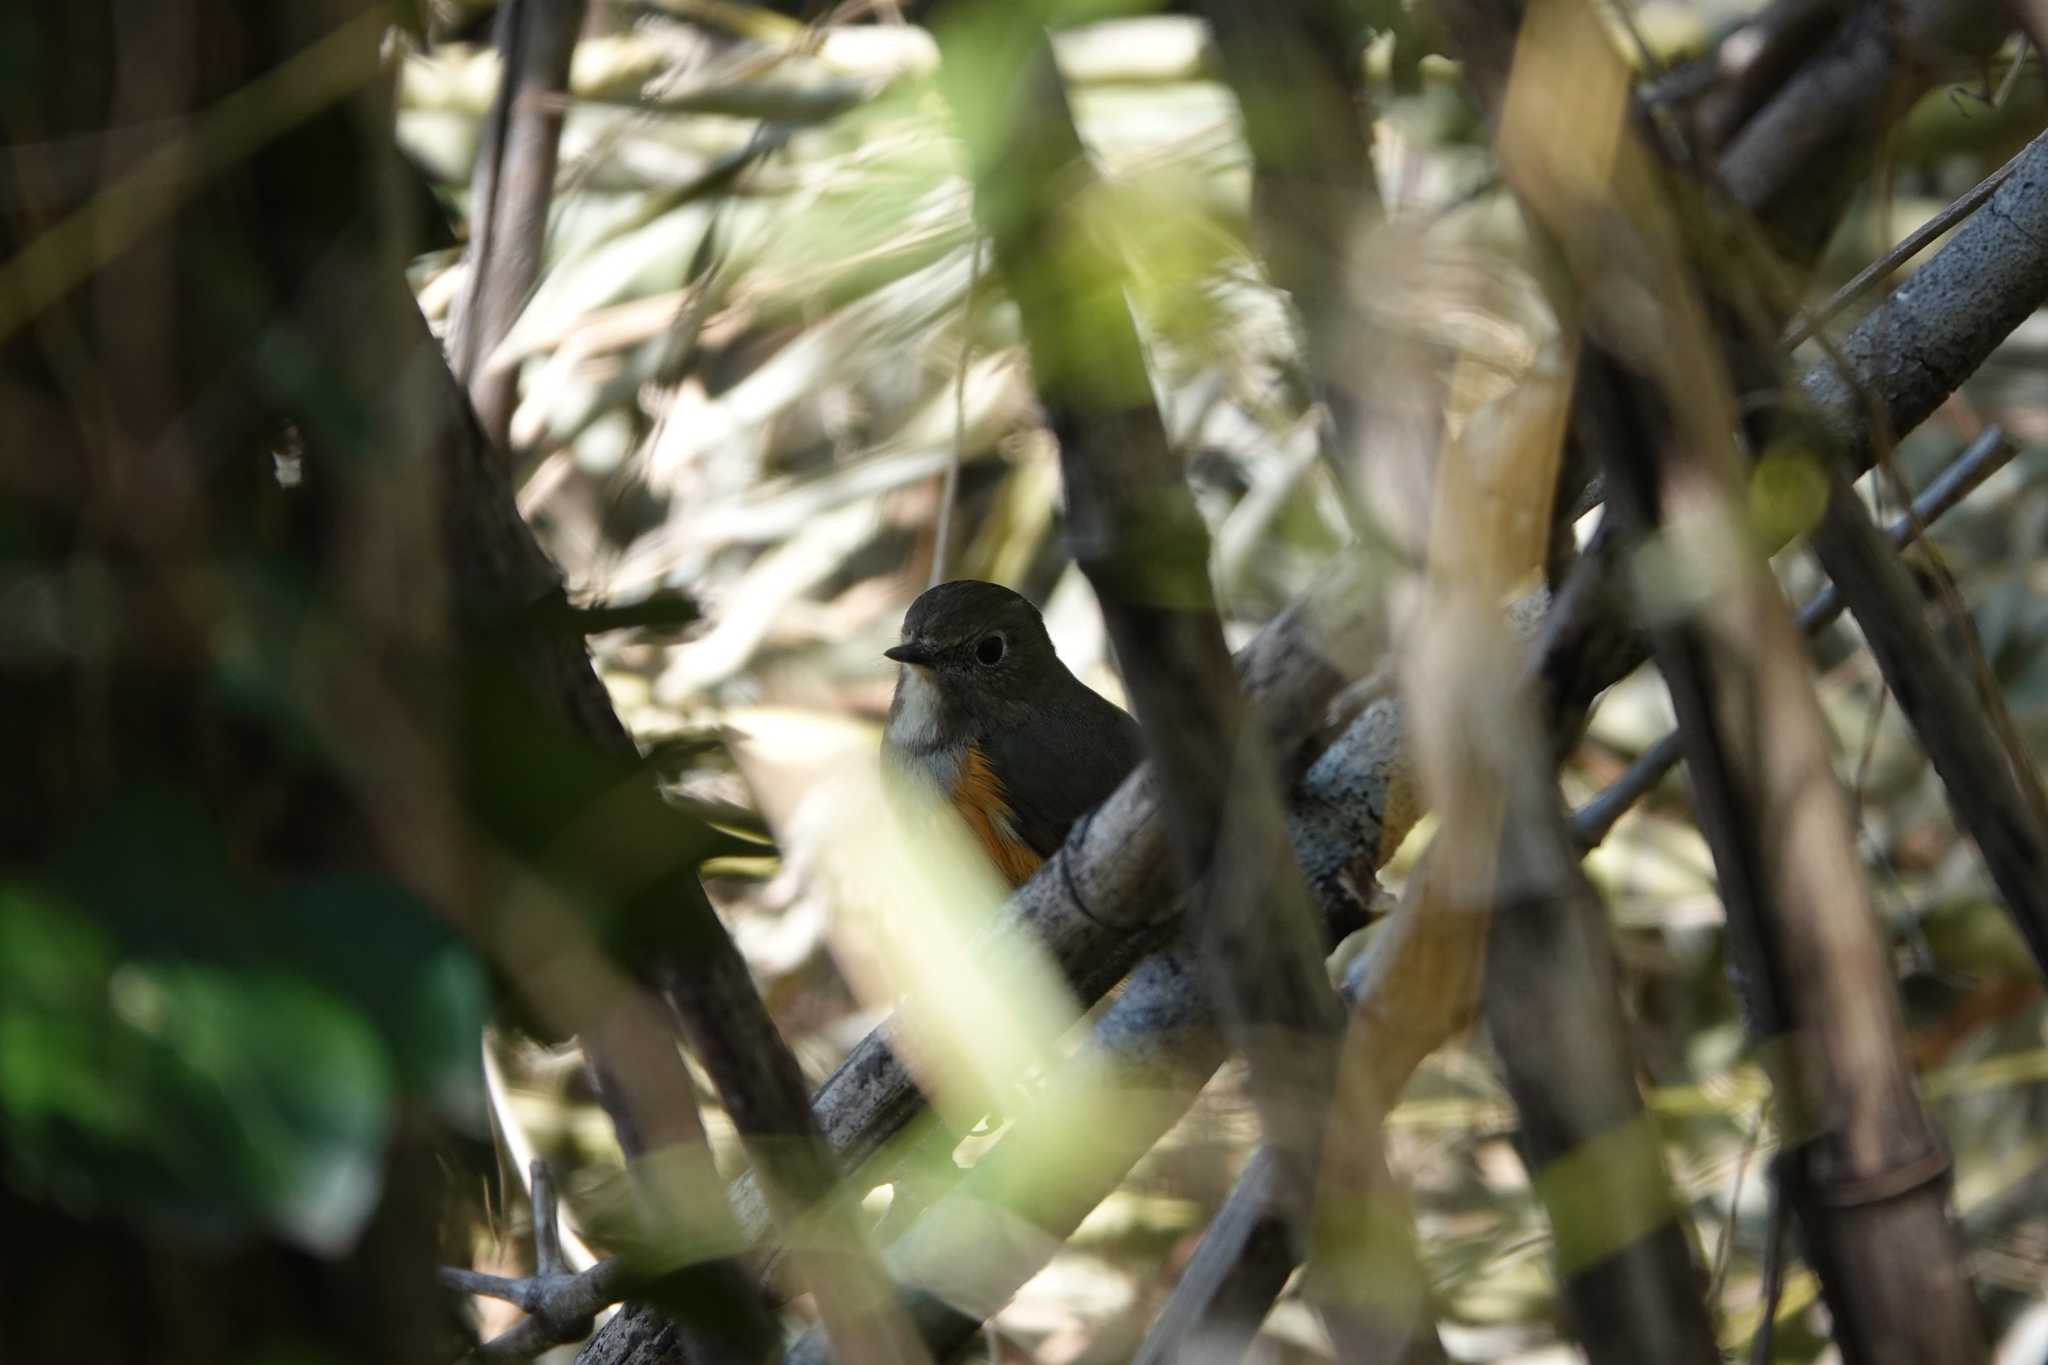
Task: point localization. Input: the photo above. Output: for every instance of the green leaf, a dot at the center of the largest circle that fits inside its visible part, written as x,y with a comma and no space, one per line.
181,1094
155,871
189,1042
419,986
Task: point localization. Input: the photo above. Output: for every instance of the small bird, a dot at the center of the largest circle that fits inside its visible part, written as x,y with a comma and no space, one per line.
987,714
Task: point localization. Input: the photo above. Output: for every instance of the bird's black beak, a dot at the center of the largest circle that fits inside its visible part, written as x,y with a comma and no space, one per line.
910,652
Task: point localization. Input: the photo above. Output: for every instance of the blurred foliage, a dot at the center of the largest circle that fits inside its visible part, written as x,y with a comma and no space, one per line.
185,1046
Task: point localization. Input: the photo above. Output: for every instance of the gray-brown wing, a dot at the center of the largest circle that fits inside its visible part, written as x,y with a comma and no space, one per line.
1066,765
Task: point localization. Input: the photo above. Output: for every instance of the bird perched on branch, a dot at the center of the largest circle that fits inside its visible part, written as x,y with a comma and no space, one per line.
987,714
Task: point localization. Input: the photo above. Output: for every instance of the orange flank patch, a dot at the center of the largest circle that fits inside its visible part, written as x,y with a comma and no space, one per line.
982,803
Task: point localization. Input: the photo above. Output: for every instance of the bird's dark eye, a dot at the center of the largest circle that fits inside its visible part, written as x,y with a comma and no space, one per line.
990,649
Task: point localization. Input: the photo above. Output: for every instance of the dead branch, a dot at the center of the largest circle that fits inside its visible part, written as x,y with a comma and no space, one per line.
497,567
1982,458
1796,157
560,1304
509,194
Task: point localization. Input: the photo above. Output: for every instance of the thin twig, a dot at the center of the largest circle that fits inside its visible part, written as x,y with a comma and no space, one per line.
560,1305
547,1226
2012,73
1774,1265
1866,755
1723,1253
1880,270
511,191
514,1142
1982,458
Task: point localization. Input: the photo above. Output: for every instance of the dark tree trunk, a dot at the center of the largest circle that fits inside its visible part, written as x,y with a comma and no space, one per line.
174,219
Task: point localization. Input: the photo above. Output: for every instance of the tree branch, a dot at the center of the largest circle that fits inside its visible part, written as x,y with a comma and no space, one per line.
1740,79
1795,158
1415,987
1481,752
1878,271
1996,797
1982,458
818,1217
1814,971
1553,1010
509,194
1134,531
630,852
1914,350
1996,804
559,1303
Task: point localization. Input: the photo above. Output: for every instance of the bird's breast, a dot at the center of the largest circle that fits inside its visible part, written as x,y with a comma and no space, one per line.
940,768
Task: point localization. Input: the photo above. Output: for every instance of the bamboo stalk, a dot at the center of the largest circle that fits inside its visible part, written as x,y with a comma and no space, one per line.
1135,533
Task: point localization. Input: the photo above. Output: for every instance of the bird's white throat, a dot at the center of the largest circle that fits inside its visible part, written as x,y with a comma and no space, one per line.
914,718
